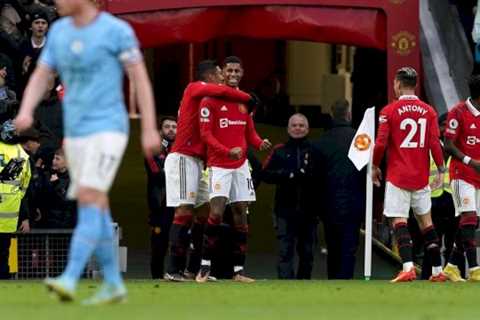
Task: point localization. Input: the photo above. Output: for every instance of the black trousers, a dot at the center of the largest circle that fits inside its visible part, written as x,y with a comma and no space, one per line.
159,239
300,233
342,243
446,224
4,254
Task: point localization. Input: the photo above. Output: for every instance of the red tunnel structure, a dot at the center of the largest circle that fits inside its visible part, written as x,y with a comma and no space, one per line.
391,25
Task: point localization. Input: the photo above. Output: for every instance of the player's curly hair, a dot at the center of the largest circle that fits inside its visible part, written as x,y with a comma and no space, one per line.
474,85
407,77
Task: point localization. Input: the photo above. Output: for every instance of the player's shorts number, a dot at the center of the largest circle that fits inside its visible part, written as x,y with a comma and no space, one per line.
412,125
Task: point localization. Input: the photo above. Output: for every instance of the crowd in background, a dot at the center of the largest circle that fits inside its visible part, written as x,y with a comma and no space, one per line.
23,31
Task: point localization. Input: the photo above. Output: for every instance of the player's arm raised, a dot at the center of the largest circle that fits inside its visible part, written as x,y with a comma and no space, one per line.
34,92
203,89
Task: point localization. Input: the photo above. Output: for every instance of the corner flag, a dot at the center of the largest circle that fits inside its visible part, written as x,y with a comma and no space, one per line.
361,153
362,144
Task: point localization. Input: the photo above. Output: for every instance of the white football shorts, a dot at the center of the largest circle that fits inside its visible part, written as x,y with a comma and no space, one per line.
466,197
93,160
184,182
398,201
234,184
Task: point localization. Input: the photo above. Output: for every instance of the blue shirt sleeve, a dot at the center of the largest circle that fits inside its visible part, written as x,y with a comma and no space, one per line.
128,49
47,56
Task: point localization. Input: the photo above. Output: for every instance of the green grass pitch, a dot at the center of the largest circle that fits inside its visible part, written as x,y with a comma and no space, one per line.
262,300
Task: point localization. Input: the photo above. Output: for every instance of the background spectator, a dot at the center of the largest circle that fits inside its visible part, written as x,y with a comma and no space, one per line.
289,166
161,217
343,193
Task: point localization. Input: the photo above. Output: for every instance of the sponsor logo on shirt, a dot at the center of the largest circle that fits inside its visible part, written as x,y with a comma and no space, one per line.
225,123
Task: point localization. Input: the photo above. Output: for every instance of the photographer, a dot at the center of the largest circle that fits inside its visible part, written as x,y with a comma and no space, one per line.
290,167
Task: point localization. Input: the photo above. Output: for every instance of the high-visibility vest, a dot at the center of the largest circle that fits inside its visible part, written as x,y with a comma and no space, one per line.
12,192
446,179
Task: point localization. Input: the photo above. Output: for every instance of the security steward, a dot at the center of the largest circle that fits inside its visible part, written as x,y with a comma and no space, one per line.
343,193
290,168
14,180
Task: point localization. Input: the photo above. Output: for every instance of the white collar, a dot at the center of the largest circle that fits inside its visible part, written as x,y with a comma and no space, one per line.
35,46
471,108
408,97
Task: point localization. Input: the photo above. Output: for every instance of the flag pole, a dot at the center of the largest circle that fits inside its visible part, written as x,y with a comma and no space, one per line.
368,221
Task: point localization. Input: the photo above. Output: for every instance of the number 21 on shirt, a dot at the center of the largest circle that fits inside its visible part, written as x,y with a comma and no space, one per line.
412,126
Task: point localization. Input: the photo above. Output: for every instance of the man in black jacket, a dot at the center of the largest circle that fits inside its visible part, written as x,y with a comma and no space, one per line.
160,217
343,193
289,166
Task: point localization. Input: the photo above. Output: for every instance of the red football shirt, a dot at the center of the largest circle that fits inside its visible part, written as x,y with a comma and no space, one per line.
408,130
463,127
188,140
225,125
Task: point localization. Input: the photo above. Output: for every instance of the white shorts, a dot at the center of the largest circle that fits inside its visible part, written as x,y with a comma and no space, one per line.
93,160
184,182
398,201
234,184
466,197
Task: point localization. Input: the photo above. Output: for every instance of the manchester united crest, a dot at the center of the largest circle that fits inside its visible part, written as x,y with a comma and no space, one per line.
362,142
403,43
242,108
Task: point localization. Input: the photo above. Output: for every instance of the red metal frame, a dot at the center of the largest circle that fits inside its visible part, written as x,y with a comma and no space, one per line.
403,23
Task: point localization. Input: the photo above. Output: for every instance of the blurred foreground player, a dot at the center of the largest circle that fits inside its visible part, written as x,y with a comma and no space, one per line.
90,50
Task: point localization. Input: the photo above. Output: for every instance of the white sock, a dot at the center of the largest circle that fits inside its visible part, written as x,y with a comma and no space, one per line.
407,266
237,269
436,270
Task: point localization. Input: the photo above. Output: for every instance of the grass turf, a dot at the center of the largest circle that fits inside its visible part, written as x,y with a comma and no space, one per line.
262,300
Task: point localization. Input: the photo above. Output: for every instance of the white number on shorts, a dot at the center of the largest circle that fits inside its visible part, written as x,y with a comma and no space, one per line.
409,122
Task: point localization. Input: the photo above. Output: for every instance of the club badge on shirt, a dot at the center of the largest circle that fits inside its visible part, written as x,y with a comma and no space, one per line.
242,108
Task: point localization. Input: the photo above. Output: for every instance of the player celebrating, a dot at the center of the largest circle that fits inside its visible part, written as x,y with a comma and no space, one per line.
184,165
408,129
462,139
227,128
90,49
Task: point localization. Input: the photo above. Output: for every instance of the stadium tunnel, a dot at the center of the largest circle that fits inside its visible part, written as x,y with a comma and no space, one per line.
308,47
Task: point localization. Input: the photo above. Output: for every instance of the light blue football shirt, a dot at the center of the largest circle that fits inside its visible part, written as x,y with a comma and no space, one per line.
90,61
